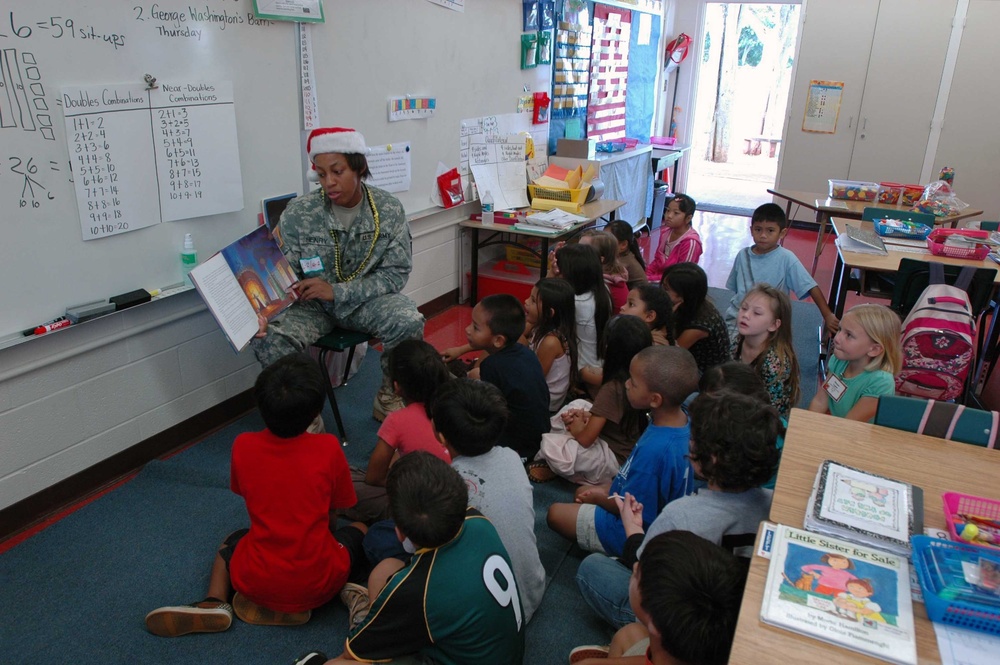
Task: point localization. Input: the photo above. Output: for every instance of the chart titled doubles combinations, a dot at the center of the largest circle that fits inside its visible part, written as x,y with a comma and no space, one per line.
141,157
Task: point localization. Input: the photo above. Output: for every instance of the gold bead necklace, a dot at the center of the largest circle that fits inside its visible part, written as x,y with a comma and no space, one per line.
371,249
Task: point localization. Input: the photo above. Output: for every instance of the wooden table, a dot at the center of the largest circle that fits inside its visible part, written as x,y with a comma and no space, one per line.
503,234
934,464
825,208
878,263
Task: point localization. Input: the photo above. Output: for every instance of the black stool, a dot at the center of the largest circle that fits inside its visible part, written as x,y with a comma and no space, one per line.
338,339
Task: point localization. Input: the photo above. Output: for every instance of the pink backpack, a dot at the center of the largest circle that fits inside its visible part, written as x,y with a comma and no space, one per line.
939,339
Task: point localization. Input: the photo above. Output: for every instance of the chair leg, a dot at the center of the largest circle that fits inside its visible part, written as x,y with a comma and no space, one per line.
347,368
331,396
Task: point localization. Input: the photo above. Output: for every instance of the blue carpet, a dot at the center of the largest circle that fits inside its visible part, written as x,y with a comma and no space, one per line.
80,589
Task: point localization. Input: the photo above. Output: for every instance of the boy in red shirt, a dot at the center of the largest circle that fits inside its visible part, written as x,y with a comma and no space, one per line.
288,562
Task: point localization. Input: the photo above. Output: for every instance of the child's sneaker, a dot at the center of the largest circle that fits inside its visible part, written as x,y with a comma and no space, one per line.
258,615
311,658
207,616
355,597
587,651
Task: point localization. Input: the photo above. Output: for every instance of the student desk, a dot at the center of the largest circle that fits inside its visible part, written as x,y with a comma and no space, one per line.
934,464
825,208
668,155
878,263
503,234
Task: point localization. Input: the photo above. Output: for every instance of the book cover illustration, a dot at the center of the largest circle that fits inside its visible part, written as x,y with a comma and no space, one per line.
262,272
858,505
841,593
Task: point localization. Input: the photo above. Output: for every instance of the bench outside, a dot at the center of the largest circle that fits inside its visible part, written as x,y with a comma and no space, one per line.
751,146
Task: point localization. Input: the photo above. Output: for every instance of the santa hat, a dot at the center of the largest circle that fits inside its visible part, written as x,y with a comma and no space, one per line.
333,139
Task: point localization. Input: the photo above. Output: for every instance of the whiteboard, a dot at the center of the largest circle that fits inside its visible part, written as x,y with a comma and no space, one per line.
368,52
48,45
365,53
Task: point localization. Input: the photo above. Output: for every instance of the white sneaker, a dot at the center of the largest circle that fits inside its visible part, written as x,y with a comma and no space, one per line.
355,598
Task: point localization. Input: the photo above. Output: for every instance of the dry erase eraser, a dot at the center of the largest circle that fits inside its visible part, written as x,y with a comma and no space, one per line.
130,299
87,311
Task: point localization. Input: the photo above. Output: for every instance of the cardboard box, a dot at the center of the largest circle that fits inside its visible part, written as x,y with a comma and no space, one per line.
579,148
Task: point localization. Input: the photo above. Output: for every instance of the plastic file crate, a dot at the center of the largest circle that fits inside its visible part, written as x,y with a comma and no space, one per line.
942,568
956,504
506,277
911,230
547,198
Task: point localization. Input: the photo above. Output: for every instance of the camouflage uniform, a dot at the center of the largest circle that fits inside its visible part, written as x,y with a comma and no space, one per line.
372,301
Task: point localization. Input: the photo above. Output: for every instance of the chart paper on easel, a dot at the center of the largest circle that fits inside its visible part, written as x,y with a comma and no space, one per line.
497,164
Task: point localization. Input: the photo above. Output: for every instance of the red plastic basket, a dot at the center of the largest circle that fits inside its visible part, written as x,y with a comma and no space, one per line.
936,245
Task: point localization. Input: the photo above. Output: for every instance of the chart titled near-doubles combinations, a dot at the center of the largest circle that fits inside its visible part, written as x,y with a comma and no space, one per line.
141,157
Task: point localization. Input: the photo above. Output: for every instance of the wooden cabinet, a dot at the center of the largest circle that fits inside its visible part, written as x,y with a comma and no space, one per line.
890,56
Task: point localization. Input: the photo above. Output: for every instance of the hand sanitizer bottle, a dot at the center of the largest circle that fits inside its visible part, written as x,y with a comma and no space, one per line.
487,203
189,257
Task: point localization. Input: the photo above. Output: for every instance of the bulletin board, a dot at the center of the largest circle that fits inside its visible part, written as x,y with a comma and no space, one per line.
364,54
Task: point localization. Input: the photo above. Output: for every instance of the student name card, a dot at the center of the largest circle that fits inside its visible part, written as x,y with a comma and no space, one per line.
141,157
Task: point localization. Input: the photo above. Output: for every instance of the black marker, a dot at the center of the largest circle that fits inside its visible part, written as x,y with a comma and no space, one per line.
31,331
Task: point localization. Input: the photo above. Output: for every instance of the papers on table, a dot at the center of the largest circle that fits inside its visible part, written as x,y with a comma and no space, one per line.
555,218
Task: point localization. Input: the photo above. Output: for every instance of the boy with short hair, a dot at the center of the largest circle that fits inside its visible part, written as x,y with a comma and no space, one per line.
686,593
732,449
456,601
767,262
288,562
656,472
468,416
497,324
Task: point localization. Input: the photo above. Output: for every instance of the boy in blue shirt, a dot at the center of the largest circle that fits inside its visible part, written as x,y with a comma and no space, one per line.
497,324
767,262
657,471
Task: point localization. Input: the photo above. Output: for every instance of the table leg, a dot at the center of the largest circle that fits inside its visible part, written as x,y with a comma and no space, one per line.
822,219
543,268
474,273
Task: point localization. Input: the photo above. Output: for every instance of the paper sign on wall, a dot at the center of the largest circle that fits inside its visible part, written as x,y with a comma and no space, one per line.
390,166
411,108
823,106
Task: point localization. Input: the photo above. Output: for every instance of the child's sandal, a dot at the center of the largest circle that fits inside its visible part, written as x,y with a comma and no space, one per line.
540,472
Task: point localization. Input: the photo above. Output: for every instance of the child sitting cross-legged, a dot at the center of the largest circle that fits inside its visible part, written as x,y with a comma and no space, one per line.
588,442
455,600
549,313
468,418
657,470
732,449
629,253
687,594
698,326
289,561
416,371
497,323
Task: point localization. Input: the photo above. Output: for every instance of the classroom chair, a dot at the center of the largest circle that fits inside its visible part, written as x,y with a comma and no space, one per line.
944,420
338,339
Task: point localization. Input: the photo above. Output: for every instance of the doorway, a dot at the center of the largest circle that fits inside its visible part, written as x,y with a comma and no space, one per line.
743,85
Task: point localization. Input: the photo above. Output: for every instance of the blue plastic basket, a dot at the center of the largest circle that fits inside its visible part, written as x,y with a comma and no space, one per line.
912,230
948,597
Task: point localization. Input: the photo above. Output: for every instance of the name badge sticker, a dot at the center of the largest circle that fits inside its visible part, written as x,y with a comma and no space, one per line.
312,266
835,387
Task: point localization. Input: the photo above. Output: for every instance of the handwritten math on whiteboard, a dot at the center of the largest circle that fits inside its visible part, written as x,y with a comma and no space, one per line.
141,157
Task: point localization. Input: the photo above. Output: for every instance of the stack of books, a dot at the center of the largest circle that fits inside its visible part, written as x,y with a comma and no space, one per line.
847,580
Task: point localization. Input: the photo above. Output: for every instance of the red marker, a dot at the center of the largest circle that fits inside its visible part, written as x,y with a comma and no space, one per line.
49,327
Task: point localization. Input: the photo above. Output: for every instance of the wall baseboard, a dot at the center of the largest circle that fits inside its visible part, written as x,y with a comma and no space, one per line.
39,506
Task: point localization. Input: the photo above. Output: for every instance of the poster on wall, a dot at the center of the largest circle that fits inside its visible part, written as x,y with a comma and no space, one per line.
822,106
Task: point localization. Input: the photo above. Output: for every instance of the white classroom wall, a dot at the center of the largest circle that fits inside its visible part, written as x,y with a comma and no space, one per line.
80,396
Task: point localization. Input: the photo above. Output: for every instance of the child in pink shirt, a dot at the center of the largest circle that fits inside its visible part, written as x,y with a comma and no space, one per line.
679,242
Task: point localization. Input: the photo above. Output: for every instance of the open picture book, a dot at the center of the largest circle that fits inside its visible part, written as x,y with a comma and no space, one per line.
839,592
248,277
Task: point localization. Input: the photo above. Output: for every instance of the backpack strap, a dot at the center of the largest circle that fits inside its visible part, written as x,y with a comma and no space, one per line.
936,272
964,277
